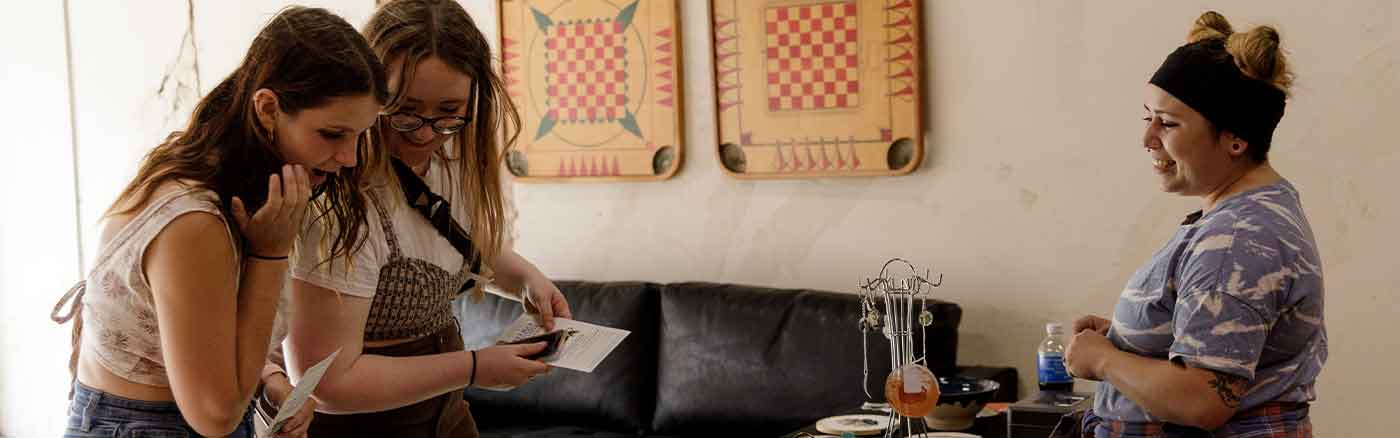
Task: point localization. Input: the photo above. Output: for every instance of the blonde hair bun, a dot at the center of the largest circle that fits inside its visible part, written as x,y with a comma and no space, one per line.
1257,52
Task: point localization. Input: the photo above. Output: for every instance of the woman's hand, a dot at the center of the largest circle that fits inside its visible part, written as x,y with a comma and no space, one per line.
543,299
277,388
504,367
1087,352
1091,322
272,229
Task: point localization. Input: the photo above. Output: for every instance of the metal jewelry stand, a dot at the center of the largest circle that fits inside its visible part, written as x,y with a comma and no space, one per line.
890,299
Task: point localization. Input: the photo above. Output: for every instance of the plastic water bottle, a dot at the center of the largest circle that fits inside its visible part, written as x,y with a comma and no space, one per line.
1051,361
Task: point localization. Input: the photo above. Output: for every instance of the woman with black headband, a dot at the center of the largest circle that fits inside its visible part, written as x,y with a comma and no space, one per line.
1221,332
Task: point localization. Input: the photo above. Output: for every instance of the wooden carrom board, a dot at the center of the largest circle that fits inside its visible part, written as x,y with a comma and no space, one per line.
598,86
817,88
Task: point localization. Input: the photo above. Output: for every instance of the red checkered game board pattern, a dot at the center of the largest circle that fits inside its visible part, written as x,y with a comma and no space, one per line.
811,56
586,75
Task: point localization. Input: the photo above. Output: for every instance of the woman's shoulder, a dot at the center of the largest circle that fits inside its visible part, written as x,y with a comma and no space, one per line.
163,194
318,231
1258,229
169,199
174,201
1269,210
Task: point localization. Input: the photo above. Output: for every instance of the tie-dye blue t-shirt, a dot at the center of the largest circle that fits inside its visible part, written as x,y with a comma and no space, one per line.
1237,290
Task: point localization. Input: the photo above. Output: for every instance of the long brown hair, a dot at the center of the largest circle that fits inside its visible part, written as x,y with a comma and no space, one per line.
304,55
409,31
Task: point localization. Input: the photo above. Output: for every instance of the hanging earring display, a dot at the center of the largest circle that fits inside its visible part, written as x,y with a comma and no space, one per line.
891,298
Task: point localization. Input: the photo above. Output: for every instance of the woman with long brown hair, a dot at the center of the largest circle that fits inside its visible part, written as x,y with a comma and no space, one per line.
402,368
175,318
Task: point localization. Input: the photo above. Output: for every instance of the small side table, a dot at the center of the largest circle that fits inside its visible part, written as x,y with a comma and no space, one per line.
1037,415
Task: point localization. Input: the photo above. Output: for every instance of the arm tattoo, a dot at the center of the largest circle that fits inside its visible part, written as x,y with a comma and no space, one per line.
1225,386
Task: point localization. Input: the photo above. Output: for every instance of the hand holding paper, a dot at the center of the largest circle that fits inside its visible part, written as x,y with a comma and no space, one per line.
585,347
300,393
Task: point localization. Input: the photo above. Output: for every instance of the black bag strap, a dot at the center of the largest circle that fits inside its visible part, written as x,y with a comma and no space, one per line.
438,212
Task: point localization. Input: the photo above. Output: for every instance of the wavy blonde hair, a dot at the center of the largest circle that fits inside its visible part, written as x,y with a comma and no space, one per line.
407,32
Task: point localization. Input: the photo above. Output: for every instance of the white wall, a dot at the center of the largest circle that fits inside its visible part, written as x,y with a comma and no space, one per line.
119,56
1036,199
38,227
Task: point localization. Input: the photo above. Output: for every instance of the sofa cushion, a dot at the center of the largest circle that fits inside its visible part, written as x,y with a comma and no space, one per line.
768,361
619,394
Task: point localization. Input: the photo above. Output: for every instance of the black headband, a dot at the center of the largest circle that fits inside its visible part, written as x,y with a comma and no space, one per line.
1204,76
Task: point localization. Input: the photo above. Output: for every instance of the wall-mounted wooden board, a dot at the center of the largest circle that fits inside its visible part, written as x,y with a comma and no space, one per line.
598,86
818,88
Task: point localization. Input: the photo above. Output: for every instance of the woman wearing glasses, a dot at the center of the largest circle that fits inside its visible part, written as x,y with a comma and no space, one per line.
402,368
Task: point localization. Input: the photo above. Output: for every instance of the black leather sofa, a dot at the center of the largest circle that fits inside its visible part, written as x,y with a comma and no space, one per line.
703,359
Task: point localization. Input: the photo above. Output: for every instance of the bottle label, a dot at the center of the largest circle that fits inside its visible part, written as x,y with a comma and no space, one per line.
1052,369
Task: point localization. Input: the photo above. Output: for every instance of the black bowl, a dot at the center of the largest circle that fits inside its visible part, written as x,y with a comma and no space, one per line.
961,390
959,400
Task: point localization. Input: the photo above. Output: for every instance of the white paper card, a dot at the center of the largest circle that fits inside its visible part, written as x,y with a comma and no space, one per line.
297,398
583,351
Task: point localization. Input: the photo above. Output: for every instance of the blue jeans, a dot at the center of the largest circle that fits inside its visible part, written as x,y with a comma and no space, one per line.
94,413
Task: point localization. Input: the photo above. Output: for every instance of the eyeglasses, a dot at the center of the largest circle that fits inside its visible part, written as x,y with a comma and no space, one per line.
404,121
